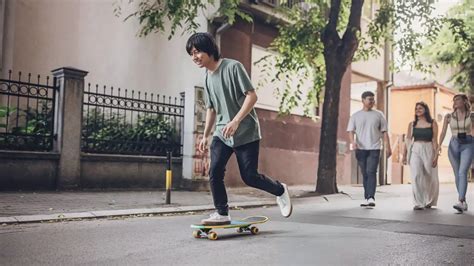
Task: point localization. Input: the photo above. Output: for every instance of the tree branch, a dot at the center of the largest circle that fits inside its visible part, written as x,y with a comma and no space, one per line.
330,37
334,14
356,13
349,40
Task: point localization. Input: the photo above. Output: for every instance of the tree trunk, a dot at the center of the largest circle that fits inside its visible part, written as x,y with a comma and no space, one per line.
328,142
338,54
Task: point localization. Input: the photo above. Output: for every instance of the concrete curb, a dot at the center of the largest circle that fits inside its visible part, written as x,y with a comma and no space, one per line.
58,217
127,212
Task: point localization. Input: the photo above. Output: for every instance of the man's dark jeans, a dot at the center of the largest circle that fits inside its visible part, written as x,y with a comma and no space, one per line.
247,158
368,161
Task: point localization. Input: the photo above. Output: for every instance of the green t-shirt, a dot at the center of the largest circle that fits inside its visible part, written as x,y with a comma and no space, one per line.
225,92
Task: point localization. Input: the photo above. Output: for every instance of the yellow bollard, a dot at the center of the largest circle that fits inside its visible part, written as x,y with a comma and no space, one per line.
169,179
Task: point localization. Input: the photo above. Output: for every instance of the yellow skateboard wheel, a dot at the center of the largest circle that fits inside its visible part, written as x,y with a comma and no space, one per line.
212,236
254,230
196,234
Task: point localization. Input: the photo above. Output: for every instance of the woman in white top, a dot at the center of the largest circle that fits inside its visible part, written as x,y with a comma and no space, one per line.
461,145
422,149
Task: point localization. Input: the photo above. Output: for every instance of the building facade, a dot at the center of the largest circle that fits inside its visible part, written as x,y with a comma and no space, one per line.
39,36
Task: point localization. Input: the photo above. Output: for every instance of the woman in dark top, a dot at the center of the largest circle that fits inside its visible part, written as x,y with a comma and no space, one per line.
421,148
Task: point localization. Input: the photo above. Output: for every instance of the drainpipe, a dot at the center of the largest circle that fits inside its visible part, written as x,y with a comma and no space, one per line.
219,32
388,82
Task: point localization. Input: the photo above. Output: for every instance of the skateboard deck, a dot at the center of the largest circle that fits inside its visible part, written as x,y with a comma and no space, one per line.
242,225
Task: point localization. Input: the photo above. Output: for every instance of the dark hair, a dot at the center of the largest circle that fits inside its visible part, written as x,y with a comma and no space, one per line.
203,42
367,94
427,113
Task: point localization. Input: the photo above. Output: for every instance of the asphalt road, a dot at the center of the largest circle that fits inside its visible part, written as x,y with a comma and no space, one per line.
333,233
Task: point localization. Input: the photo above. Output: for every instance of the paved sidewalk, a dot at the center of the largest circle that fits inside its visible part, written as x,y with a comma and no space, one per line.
21,207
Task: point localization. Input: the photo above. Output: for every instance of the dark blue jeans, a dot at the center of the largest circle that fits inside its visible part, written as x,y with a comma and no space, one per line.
368,161
247,158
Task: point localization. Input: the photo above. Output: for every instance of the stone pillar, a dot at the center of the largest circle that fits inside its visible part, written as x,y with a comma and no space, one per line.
195,164
68,125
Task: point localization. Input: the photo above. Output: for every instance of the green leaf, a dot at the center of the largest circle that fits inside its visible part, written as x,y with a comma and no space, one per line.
3,111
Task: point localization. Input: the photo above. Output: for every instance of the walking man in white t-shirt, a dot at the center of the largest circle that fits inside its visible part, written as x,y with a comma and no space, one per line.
369,126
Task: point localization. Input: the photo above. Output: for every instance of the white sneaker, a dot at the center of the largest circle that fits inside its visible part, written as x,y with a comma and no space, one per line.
460,206
284,202
371,202
365,203
216,219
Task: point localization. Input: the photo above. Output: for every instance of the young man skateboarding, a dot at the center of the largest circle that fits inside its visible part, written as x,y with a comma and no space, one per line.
230,100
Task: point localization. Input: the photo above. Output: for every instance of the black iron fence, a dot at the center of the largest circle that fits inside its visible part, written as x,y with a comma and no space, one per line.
120,121
27,113
282,3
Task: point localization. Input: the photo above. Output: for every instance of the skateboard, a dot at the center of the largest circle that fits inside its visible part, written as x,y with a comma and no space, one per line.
242,225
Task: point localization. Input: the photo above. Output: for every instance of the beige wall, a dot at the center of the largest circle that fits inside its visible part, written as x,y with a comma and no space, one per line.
402,107
44,35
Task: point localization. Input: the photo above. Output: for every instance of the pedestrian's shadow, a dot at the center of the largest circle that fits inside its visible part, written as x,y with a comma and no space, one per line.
463,213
